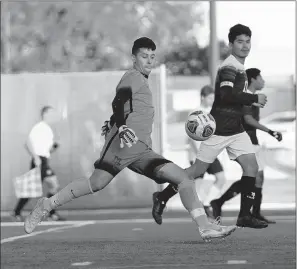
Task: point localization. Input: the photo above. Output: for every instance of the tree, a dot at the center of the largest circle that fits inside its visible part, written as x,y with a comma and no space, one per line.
90,36
189,59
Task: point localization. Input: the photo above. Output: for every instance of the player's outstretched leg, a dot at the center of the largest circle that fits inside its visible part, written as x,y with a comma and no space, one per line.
188,194
216,188
98,181
160,199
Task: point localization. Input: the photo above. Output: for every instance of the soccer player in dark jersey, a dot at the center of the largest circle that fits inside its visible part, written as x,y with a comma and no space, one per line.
251,124
230,97
129,144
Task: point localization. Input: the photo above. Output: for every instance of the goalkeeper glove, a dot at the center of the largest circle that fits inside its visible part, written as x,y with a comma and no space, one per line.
127,136
105,128
277,135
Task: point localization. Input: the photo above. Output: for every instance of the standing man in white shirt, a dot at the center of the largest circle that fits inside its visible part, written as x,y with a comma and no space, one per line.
40,144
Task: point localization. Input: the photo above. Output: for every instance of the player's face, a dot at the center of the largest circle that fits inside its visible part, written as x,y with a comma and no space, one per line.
208,100
241,46
144,60
259,83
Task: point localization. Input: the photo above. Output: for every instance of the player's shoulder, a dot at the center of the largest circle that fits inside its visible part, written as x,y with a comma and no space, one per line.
232,63
133,78
133,74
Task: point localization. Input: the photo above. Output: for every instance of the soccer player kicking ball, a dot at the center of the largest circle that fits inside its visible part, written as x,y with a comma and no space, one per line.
128,144
251,124
230,97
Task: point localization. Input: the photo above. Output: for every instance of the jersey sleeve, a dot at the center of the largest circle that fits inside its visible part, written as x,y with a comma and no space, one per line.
247,110
227,76
128,86
229,93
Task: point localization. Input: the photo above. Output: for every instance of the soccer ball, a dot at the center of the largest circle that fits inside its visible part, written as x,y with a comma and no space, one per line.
200,126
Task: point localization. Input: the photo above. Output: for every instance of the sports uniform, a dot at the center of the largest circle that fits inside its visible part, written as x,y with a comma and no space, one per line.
227,112
133,115
134,95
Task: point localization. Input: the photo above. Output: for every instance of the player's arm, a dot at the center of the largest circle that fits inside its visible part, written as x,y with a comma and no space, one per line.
126,134
250,120
228,93
118,103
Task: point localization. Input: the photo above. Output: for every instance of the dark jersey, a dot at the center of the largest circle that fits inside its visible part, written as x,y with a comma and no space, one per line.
230,97
251,131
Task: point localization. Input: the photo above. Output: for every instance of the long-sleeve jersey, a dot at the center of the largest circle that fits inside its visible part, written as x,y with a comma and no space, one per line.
230,97
133,105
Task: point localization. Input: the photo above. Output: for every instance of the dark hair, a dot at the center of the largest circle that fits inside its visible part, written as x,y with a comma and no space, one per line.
237,30
252,73
44,110
143,42
206,90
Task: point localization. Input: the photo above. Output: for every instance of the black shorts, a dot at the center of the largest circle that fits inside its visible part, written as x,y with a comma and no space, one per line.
140,158
45,169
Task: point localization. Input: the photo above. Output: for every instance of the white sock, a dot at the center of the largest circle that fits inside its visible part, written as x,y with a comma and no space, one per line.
191,202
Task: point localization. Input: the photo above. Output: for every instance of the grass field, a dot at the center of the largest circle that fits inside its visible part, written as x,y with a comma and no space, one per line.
140,243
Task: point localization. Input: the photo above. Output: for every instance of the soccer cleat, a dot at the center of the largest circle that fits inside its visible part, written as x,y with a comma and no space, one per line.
158,208
262,218
251,222
216,209
36,216
207,234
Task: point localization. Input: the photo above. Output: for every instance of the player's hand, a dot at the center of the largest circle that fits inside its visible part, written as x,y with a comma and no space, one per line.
277,135
105,128
127,136
262,100
37,161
